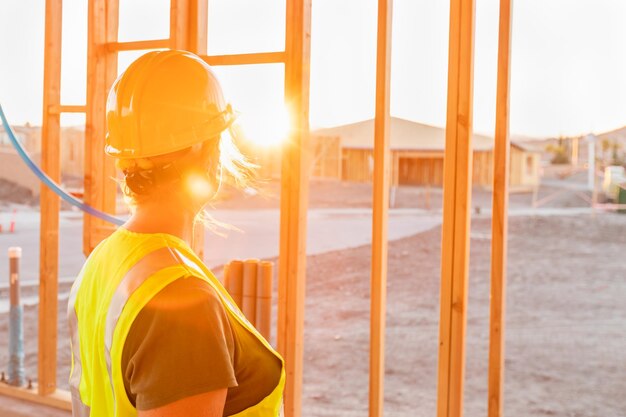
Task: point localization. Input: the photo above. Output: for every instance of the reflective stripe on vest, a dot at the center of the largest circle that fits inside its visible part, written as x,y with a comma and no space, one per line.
146,267
79,409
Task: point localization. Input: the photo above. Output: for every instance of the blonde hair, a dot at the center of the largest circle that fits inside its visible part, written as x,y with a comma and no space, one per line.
144,179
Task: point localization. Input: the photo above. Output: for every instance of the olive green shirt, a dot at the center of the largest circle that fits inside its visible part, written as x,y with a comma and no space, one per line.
184,343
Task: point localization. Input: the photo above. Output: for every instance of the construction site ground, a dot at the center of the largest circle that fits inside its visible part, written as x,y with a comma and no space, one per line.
565,351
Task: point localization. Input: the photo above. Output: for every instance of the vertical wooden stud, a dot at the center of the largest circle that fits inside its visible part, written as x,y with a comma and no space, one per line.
456,210
188,25
293,202
380,205
100,188
499,221
188,31
49,202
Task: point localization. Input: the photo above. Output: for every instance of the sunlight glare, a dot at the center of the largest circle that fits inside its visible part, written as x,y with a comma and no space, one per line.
267,129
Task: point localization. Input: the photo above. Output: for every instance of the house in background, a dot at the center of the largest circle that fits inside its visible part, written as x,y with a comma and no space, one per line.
346,152
72,156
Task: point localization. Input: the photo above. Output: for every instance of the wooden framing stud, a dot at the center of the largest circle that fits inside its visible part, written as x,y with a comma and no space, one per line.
499,218
58,109
58,399
100,188
137,45
380,206
246,59
49,202
456,210
293,203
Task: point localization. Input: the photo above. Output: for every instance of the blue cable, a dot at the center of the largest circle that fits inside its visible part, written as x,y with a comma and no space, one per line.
49,182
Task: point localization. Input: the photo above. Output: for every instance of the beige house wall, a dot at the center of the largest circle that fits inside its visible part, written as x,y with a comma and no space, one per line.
13,169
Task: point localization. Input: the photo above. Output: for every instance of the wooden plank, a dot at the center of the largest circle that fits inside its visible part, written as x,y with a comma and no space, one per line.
49,202
293,203
499,221
58,399
188,25
179,22
380,206
137,45
198,26
188,31
100,188
247,59
58,109
456,210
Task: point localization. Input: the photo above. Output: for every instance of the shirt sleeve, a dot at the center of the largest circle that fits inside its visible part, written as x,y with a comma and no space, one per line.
181,344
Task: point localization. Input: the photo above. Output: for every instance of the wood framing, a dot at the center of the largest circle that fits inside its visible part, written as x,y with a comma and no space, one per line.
188,25
246,59
137,45
456,210
100,188
49,202
66,109
380,206
499,218
188,31
293,203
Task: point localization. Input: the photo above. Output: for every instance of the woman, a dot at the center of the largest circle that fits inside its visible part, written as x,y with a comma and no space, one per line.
153,331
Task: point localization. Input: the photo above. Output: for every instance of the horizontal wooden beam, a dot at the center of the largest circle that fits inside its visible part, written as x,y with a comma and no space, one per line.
246,59
58,399
137,45
54,109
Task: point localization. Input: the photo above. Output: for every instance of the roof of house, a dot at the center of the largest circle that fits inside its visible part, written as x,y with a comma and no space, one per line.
405,135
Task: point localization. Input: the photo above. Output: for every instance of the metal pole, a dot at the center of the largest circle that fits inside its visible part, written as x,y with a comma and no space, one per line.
591,173
17,374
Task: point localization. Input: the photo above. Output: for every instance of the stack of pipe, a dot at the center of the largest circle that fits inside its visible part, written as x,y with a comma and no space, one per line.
249,283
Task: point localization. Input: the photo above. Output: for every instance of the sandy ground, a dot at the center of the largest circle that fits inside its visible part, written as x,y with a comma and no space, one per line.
566,350
332,194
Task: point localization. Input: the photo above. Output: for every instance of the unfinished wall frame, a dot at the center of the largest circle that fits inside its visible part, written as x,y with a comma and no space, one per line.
188,30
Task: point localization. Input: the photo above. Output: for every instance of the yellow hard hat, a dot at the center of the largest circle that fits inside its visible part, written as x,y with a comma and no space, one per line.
164,102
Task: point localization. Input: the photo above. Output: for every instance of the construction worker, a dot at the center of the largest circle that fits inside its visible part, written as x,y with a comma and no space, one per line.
153,332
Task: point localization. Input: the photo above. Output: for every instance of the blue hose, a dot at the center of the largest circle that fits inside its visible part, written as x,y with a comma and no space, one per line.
49,182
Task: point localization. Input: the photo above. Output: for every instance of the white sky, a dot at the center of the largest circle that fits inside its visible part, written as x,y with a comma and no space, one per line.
568,62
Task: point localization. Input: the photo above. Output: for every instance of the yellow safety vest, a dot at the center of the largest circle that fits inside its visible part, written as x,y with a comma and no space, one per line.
107,296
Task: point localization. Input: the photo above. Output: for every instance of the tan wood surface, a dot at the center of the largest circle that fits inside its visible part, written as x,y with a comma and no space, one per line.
499,219
100,188
49,202
235,281
188,31
250,272
456,210
58,109
180,16
293,203
246,59
380,206
265,280
58,398
137,45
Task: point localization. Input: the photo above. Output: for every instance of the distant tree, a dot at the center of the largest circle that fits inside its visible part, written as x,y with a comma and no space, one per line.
616,157
605,147
560,152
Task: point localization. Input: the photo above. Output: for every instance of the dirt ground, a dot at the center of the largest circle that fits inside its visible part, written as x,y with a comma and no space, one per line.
331,193
565,351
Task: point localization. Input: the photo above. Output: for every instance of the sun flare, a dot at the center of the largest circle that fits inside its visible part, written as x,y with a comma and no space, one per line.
267,130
